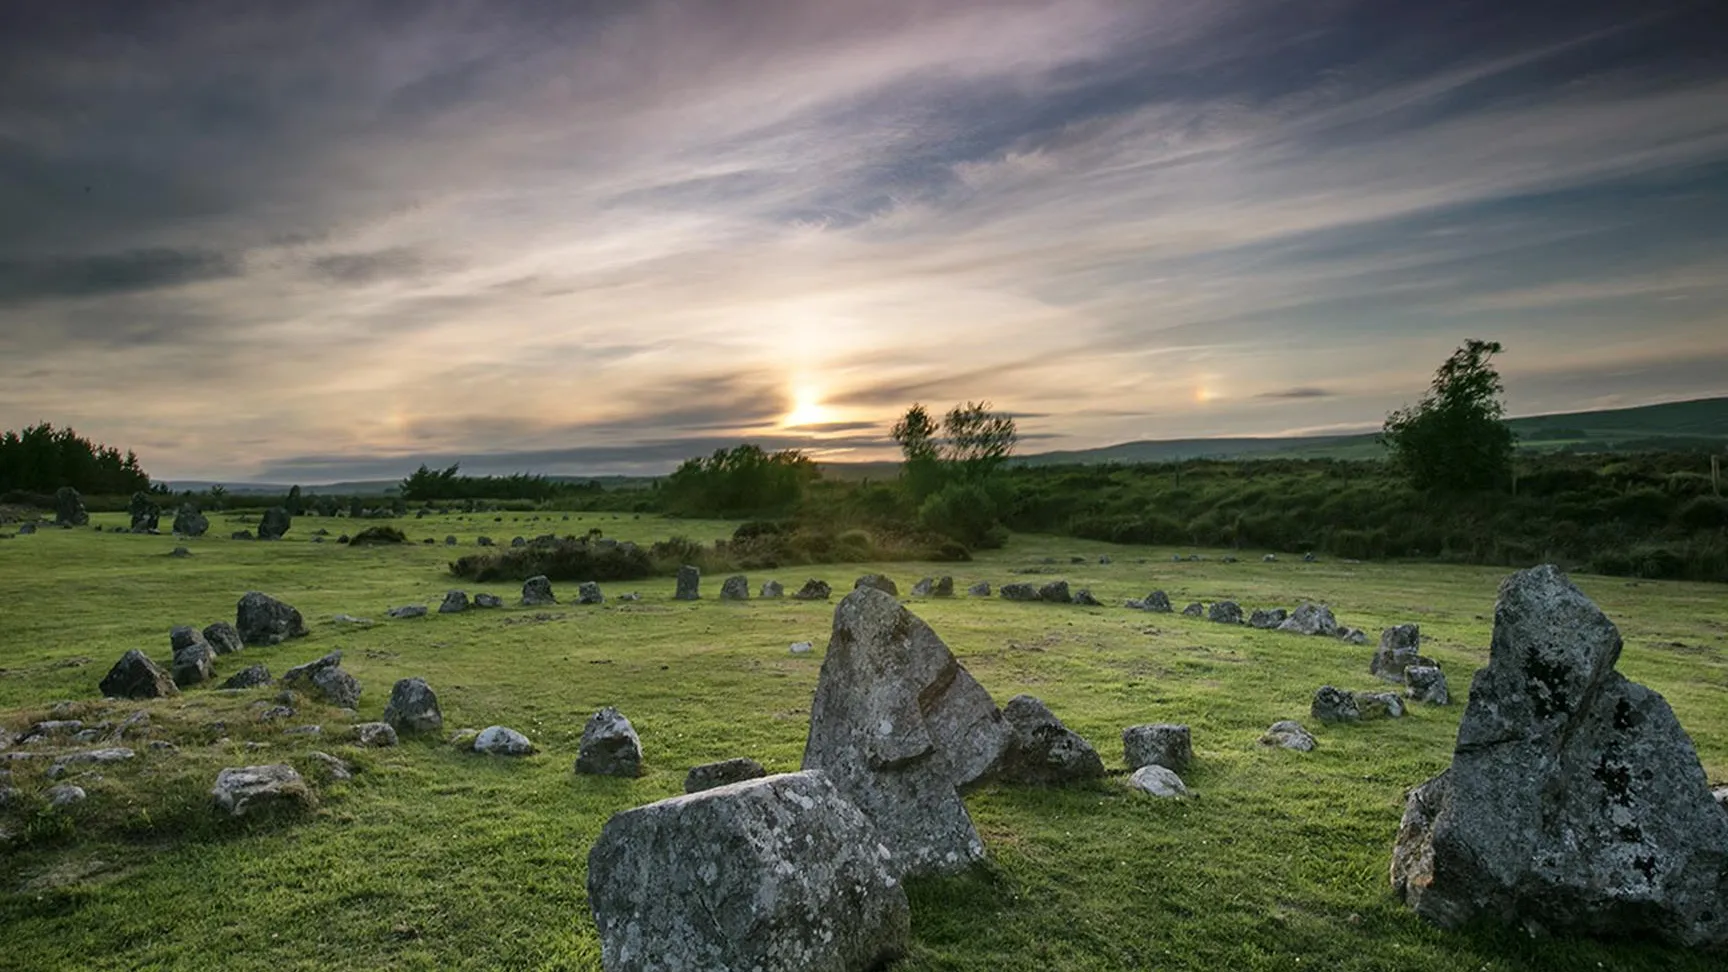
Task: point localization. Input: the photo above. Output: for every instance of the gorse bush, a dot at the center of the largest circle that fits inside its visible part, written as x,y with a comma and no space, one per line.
567,559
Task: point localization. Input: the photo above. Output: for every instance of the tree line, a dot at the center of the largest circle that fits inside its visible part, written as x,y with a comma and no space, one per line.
41,459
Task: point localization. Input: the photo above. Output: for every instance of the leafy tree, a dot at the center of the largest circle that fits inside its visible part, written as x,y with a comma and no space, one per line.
41,459
743,481
916,432
978,440
1454,439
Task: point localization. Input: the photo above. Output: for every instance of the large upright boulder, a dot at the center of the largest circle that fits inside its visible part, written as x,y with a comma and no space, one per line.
1311,619
689,584
69,508
143,512
188,522
263,620
609,746
780,874
413,707
275,523
1575,803
1400,648
223,638
901,727
135,676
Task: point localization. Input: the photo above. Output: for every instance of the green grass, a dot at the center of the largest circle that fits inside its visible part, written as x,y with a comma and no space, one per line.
430,859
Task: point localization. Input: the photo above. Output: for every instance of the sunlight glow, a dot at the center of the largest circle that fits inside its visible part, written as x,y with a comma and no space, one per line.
807,409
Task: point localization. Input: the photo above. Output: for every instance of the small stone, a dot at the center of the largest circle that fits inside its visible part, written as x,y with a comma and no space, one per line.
181,552
1194,610
1018,592
65,794
502,741
193,663
980,589
1353,636
455,602
1055,592
375,734
408,611
1379,705
878,582
90,757
588,592
1269,559
263,620
1043,751
1225,612
1426,683
1289,734
609,746
924,586
241,790
1311,619
944,587
1157,602
335,768
813,590
1084,596
537,591
413,707
488,601
450,541
1158,744
724,773
1334,705
276,713
802,648
773,588
223,638
252,676
735,588
1158,781
135,676
1267,619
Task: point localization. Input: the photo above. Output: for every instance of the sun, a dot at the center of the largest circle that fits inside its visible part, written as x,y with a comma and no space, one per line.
807,409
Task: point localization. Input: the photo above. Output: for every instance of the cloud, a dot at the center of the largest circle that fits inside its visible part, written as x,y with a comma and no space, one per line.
1299,393
360,269
46,278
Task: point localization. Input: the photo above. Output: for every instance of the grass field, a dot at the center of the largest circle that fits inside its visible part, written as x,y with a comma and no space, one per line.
432,859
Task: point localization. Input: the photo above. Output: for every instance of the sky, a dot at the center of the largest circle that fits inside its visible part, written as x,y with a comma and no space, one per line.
313,241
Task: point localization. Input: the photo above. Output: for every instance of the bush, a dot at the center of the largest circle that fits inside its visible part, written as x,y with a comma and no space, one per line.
1705,513
569,559
378,535
967,512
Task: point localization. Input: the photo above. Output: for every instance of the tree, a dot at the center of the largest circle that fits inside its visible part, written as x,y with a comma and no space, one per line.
1454,439
916,433
979,440
743,481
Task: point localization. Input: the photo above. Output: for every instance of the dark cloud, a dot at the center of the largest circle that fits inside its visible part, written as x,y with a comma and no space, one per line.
360,269
1299,393
25,279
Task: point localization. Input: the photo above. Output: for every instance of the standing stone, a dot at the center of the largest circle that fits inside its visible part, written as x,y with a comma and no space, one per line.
1158,781
1575,803
1158,744
1379,705
135,676
1311,619
1400,648
455,602
252,676
609,746
1157,602
413,707
188,522
1426,683
689,584
1194,610
450,541
773,589
1041,750
407,611
192,663
488,601
182,635
275,524
263,620
944,587
537,591
325,679
814,590
1334,705
1085,597
724,773
735,588
900,726
1018,592
1225,612
588,592
924,587
1289,734
241,790
69,508
1055,592
1267,619
781,874
143,512
879,582
980,589
222,638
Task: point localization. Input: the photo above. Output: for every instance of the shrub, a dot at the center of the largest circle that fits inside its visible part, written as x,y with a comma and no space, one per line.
966,512
1705,513
569,559
378,535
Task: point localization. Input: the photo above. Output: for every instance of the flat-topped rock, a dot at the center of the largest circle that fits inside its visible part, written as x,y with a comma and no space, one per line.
247,789
1158,744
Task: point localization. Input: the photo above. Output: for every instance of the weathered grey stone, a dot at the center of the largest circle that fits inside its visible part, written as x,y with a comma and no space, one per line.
1194,610
735,588
1379,705
1400,648
275,524
1157,602
537,591
1055,592
193,663
450,541
89,757
1084,596
1158,781
1267,618
772,589
1334,705
1269,559
243,789
781,874
135,676
143,513
407,611
1309,558
486,542
813,590
241,535
502,741
689,585
1158,744
1575,803
1017,592
413,707
723,773
325,679
1426,683
26,530
332,766
944,587
609,746
979,589
455,602
1041,750
376,735
1225,612
900,726
518,541
222,638
263,620
1311,619
488,601
802,648
183,635
884,584
69,508
65,794
277,713
188,522
251,676
1353,636
1289,734
588,592
924,586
